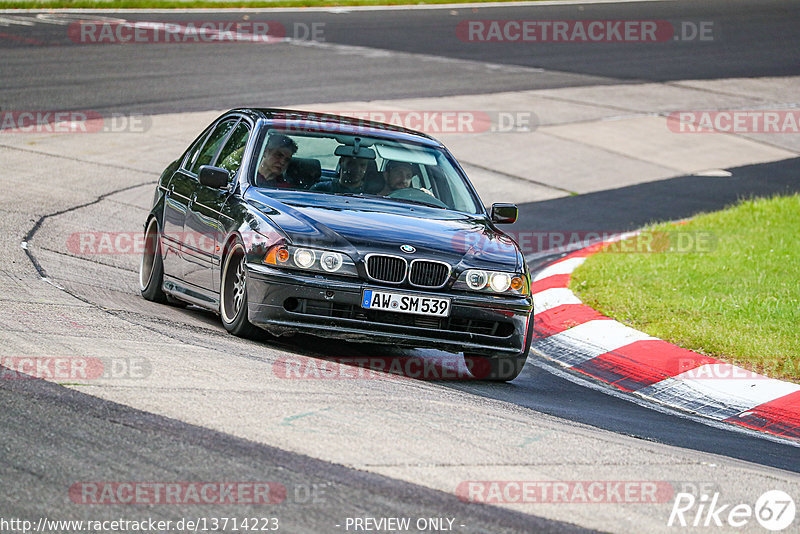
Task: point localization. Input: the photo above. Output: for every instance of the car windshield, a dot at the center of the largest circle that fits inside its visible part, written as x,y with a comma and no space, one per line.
338,164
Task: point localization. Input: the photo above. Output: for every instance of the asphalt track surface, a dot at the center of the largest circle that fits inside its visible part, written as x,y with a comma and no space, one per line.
44,69
47,424
42,64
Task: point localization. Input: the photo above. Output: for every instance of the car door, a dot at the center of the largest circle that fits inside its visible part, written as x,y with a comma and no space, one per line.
176,202
205,222
181,191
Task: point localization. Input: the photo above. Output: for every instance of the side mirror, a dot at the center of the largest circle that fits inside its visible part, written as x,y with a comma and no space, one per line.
504,213
214,176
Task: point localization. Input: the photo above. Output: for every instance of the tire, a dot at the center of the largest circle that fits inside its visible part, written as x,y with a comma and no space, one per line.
495,368
500,368
233,293
151,266
176,302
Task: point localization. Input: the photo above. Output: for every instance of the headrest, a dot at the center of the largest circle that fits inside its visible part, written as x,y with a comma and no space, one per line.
303,172
374,181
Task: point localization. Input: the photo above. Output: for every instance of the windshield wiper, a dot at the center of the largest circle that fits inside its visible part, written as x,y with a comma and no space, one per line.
343,194
420,202
381,197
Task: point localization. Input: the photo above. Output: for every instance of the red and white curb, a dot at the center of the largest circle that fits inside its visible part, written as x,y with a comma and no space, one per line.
577,337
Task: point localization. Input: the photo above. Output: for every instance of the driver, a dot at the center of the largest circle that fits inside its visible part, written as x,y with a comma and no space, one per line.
351,177
398,175
277,155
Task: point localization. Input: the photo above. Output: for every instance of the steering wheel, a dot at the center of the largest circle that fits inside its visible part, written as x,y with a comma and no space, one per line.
412,193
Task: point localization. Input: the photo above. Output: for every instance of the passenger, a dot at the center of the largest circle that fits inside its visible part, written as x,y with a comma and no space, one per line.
398,175
277,155
351,177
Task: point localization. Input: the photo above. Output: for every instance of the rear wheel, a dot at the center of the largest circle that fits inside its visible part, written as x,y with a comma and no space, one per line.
233,293
151,266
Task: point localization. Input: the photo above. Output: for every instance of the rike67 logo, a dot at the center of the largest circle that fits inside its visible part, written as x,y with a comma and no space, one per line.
774,510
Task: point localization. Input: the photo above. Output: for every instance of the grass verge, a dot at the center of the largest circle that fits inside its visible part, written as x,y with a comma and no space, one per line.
214,4
725,284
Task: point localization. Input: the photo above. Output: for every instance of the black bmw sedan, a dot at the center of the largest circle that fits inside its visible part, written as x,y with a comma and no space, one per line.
293,222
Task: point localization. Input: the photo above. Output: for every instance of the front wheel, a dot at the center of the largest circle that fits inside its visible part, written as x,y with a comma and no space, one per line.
233,293
500,368
496,369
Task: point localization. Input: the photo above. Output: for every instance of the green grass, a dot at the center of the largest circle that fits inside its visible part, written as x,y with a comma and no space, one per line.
736,299
215,4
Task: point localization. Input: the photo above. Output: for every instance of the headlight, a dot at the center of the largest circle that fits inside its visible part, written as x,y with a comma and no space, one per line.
331,261
500,282
304,257
309,259
477,279
493,282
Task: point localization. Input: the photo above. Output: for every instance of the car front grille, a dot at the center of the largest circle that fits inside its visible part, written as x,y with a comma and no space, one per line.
428,273
323,308
393,270
388,269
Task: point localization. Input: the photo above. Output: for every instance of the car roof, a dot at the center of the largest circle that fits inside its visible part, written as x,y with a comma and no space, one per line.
316,121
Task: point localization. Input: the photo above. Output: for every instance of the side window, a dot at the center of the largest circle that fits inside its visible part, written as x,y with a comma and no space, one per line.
231,156
191,156
423,179
212,145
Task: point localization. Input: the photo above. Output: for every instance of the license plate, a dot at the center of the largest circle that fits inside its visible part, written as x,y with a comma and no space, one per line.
405,303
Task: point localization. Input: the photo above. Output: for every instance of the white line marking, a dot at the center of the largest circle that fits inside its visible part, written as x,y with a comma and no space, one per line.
723,382
587,341
344,10
20,21
559,267
370,52
603,334
550,298
652,404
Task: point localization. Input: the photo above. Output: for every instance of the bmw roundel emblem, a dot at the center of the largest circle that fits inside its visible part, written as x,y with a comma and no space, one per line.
408,248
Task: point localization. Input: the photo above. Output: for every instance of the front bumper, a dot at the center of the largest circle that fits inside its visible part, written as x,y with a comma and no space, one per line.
287,302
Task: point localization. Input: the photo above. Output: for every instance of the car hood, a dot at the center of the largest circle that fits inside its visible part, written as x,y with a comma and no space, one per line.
361,225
